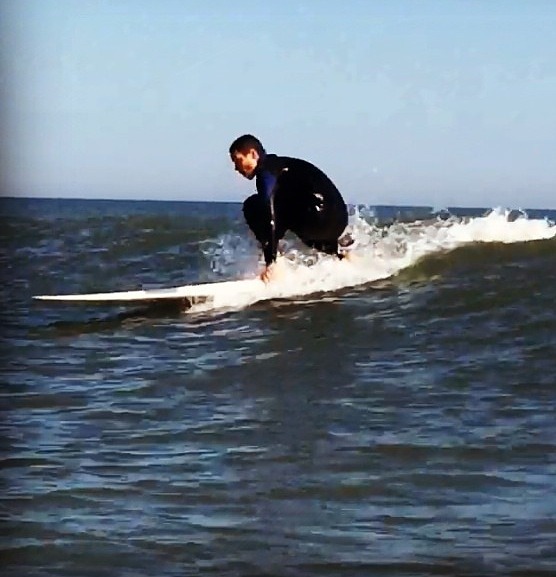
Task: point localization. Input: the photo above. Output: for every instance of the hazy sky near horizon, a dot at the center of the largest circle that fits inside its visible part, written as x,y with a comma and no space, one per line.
423,102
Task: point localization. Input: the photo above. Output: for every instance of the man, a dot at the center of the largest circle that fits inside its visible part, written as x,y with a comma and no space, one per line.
292,194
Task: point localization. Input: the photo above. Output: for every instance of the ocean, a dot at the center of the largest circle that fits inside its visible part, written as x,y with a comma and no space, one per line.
394,415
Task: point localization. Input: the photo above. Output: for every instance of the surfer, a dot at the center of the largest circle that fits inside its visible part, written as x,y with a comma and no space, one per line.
292,194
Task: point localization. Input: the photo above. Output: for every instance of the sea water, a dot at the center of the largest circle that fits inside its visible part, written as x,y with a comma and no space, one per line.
393,414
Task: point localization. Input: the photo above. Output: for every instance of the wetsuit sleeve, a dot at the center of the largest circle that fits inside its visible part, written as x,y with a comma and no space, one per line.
266,182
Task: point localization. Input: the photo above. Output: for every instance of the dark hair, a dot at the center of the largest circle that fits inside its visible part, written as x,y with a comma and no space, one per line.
244,143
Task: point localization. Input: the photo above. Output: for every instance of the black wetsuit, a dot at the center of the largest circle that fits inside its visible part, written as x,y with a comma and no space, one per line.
293,194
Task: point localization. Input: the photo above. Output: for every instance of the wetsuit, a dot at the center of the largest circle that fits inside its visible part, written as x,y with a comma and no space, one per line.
293,194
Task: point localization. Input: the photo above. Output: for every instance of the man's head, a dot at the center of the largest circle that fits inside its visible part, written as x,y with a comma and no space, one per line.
245,152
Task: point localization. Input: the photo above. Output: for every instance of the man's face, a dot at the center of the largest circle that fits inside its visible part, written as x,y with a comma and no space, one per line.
246,164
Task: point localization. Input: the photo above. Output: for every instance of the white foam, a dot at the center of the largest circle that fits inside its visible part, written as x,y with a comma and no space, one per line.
378,253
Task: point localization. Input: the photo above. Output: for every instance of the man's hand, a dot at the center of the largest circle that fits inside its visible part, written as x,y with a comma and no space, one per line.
273,272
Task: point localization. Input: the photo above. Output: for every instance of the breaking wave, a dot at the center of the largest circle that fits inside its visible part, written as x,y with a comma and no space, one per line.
379,252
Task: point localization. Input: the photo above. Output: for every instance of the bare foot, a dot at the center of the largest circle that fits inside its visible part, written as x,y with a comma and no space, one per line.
350,257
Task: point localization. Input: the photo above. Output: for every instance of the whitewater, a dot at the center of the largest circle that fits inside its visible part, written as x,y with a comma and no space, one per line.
378,253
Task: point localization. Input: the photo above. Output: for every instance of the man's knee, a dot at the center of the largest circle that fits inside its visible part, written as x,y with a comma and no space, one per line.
257,216
252,209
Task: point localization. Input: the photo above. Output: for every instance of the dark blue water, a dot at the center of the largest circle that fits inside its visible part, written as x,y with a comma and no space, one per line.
406,427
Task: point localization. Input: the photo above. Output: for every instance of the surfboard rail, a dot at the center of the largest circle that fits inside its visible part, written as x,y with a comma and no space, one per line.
190,293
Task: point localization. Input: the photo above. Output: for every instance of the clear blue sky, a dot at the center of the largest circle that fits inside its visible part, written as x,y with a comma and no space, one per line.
435,102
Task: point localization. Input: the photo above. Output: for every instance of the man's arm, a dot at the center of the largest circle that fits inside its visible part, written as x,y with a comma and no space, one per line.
266,183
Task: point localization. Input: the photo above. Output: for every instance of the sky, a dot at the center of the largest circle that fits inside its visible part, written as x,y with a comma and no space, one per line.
404,102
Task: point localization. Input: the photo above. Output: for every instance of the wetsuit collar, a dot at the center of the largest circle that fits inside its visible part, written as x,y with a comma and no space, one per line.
260,162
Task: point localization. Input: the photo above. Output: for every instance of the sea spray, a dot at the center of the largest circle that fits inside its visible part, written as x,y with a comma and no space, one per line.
378,252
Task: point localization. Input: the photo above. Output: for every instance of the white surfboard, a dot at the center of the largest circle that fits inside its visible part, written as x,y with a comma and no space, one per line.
187,294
